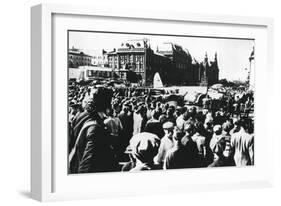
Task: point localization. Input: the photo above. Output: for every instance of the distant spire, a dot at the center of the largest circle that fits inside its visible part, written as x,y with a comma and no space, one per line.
252,56
206,57
215,63
194,61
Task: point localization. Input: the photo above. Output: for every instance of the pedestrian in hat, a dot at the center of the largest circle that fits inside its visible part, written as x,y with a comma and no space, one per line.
166,143
144,147
200,140
217,143
184,152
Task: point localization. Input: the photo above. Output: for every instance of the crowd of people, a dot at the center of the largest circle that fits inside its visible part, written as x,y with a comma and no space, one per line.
117,130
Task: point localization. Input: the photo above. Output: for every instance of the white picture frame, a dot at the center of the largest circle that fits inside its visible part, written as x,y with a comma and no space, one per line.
50,182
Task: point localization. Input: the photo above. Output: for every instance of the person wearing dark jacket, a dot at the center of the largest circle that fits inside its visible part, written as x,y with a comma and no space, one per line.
154,126
92,151
126,118
76,126
184,153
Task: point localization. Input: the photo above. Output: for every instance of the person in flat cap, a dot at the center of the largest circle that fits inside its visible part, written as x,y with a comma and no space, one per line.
220,145
226,128
92,151
184,152
217,142
200,139
166,142
144,147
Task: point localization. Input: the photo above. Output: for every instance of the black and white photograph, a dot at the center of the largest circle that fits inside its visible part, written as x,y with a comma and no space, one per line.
139,102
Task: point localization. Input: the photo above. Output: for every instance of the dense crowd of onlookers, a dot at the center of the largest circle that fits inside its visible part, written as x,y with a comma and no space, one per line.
130,129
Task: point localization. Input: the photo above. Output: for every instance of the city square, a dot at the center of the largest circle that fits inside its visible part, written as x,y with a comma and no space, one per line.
142,105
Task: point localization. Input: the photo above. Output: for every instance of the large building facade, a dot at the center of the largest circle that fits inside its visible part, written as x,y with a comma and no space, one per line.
137,56
174,64
99,58
78,58
181,64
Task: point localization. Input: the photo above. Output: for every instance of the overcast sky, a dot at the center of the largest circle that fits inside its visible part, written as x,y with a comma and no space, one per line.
233,54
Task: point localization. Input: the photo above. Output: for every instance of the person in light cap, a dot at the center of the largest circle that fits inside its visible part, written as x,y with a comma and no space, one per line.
200,141
144,147
217,140
217,129
166,142
184,152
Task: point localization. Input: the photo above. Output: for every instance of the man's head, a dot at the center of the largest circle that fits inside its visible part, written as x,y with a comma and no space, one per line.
101,100
189,128
236,125
144,146
177,134
192,111
241,123
227,126
168,128
208,123
170,112
199,128
217,129
156,114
